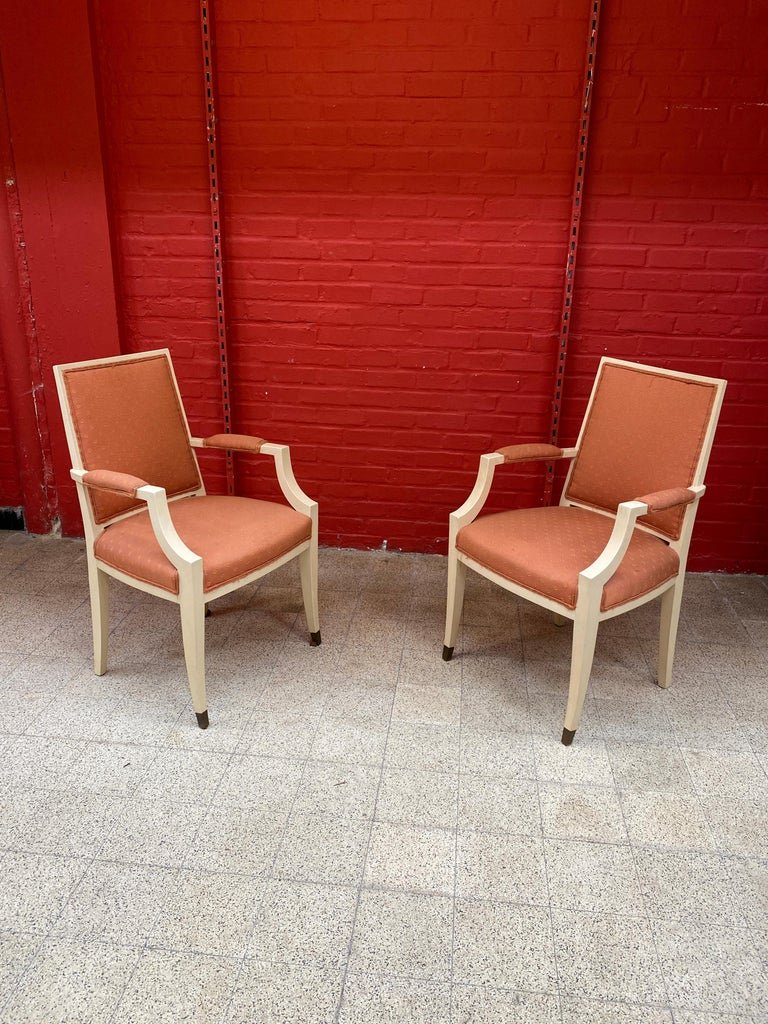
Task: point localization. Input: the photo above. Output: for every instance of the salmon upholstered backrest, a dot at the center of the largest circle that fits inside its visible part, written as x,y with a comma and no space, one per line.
127,417
645,431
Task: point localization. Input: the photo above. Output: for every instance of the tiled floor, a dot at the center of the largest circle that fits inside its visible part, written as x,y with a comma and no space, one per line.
366,834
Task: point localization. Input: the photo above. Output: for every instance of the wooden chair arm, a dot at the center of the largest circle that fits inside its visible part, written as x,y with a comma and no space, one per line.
108,480
534,452
230,442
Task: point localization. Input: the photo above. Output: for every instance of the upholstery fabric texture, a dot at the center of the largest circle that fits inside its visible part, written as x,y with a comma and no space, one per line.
106,480
128,419
234,442
528,452
668,499
545,549
234,536
644,433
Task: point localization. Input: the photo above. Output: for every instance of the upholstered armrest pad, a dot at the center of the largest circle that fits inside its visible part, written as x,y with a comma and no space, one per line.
660,500
120,483
530,452
234,442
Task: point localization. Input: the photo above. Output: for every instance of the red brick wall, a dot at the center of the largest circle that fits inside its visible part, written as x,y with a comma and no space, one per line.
396,179
10,487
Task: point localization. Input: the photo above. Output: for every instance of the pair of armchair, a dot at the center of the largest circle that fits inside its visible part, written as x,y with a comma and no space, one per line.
148,522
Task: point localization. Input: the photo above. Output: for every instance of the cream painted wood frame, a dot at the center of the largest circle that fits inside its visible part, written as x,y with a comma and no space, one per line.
191,598
587,614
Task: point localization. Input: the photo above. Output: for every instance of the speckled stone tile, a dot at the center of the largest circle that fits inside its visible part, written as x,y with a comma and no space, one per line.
113,769
474,1005
721,969
592,877
644,767
115,903
502,868
152,831
71,982
186,776
35,888
581,812
177,988
265,784
349,741
578,1011
403,935
433,748
504,945
488,804
666,819
689,886
409,858
322,849
738,825
279,735
381,1000
503,753
417,798
726,773
583,763
602,956
235,840
347,790
299,923
207,913
16,954
267,993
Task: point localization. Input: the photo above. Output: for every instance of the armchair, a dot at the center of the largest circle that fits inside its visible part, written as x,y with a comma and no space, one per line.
148,521
621,532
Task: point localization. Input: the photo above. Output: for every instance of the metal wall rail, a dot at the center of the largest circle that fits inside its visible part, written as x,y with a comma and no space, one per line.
577,201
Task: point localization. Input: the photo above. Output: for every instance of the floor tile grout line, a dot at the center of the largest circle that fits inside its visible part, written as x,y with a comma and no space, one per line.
345,972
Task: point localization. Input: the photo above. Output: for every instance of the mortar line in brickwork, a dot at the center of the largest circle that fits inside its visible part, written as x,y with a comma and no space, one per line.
577,199
217,227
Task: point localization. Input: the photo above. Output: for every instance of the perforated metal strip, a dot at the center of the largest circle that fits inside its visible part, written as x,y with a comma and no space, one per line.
573,237
206,27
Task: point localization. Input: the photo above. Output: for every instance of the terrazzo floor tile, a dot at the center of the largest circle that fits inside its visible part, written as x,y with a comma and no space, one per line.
592,877
601,956
581,812
722,970
115,903
473,1005
71,982
578,1011
268,993
488,804
406,857
381,1000
404,935
689,886
177,988
505,945
324,850
298,923
417,798
207,913
666,819
502,868
315,823
235,840
35,888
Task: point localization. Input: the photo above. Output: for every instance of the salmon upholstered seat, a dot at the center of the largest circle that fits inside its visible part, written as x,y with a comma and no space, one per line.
545,549
148,521
620,535
234,536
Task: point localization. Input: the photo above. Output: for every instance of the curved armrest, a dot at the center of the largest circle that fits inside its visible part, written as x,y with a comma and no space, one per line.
658,501
174,548
530,452
471,508
230,442
607,562
296,498
107,480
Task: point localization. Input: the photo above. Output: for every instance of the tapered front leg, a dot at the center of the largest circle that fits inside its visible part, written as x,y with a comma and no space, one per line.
98,583
670,617
457,574
193,633
582,654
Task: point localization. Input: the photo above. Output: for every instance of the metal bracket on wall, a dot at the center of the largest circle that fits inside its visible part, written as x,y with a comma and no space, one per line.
577,199
206,28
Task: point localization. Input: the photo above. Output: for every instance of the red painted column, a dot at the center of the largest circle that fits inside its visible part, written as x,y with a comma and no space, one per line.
61,223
